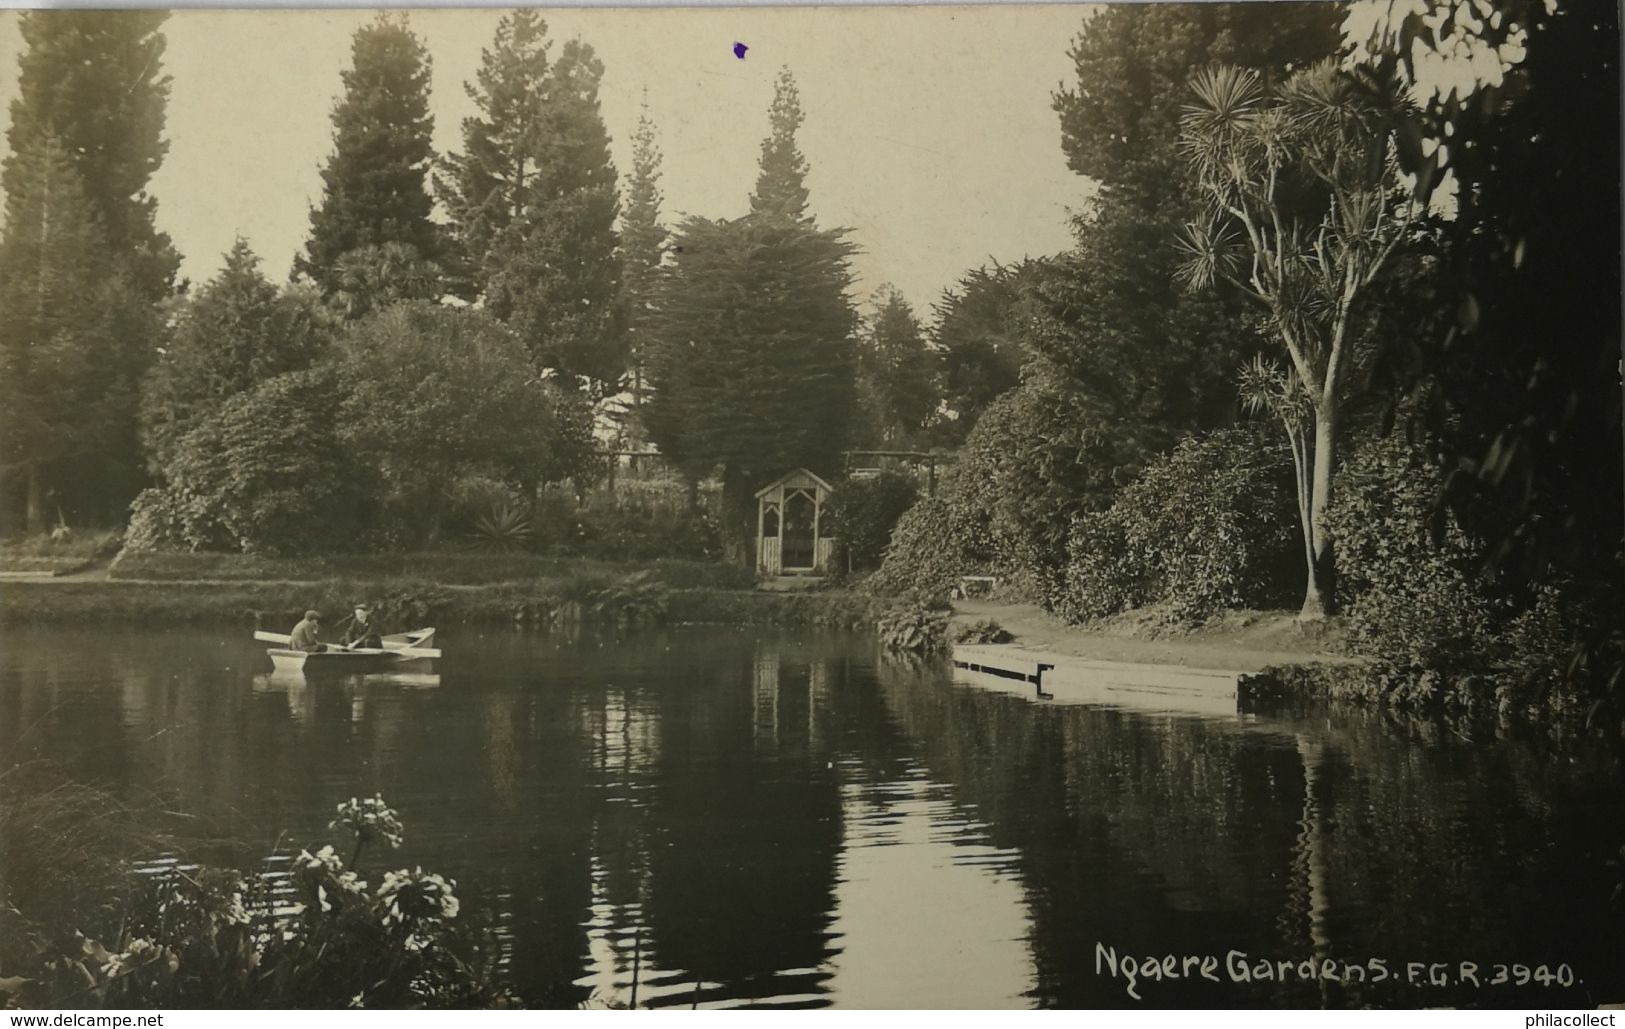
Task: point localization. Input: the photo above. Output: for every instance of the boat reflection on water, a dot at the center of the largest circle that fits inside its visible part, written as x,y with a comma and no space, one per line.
302,691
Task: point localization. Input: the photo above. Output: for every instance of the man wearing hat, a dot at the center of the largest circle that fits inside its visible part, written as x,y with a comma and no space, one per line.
304,635
361,631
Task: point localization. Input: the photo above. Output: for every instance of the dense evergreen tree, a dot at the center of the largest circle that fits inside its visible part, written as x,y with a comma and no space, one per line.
90,102
236,332
53,271
897,377
1509,398
781,180
643,249
1120,123
752,363
94,81
374,186
533,201
486,187
979,341
1151,361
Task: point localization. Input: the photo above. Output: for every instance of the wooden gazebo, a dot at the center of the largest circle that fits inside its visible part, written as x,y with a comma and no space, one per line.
792,528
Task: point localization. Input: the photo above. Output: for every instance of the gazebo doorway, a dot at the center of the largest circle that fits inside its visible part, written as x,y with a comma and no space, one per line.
800,540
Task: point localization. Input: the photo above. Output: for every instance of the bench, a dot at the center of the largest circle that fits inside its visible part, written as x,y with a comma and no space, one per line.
974,586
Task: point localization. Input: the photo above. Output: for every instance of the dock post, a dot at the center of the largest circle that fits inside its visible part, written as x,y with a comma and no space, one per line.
1038,679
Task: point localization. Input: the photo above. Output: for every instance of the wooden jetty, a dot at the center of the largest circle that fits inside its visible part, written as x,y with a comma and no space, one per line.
1066,679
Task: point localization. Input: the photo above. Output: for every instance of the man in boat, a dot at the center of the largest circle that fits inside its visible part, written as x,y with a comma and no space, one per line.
305,634
362,631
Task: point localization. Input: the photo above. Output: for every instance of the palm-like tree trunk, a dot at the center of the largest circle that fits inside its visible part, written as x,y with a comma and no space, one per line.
1322,565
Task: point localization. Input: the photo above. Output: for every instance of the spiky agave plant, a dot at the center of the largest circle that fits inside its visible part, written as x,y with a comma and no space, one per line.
505,527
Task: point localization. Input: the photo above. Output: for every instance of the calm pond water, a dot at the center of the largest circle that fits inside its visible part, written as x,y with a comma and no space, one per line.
791,820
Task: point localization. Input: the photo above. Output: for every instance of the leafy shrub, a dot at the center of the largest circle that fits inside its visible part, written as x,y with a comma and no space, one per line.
423,420
925,554
916,626
637,600
1102,576
863,513
265,473
1033,463
474,495
157,521
984,630
613,529
1211,525
1406,569
209,937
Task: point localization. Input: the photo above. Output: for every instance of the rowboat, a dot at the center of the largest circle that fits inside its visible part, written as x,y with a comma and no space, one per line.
398,648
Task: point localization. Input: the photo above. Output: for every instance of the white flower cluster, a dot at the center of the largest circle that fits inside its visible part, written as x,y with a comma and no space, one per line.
328,866
417,898
235,913
348,882
140,951
369,819
324,860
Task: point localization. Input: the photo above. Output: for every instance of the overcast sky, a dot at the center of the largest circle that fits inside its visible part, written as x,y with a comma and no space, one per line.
928,130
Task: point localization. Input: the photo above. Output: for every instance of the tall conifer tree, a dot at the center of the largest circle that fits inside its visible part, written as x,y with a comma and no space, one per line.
898,383
374,187
53,269
752,365
94,82
643,247
781,180
486,188
533,201
85,137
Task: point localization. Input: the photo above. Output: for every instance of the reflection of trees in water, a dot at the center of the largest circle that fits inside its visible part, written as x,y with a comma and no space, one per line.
649,802
746,827
1151,834
682,782
1344,840
1478,850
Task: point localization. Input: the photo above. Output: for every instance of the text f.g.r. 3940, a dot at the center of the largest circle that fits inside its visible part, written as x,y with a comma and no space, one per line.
1237,966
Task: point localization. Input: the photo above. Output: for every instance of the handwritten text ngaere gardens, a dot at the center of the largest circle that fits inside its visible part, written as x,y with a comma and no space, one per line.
1238,966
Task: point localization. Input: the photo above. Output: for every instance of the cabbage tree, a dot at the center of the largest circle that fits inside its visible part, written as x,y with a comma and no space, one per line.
1305,211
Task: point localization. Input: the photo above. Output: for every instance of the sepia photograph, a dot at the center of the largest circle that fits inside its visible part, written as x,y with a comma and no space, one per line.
988,507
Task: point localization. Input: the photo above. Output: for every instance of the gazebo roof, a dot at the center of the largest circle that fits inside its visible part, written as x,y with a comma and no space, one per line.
797,478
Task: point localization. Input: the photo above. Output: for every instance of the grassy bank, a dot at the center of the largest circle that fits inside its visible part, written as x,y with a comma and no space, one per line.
1247,641
59,554
629,598
445,567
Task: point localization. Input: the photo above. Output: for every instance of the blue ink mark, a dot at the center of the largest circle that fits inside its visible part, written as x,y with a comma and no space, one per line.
739,50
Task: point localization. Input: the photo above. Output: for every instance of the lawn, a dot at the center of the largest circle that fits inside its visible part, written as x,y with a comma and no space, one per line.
60,553
447,568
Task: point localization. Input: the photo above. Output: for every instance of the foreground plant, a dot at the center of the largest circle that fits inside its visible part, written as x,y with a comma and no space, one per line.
318,936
